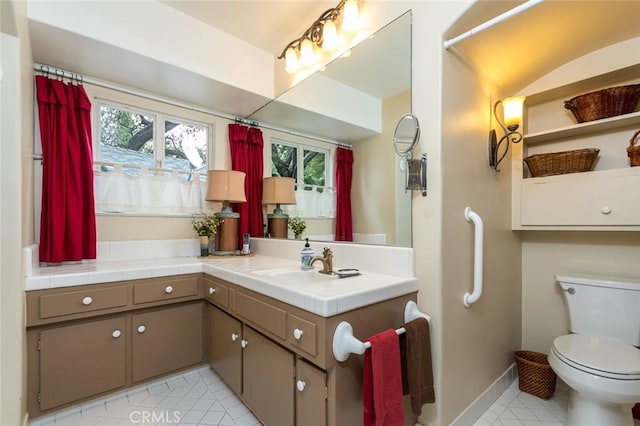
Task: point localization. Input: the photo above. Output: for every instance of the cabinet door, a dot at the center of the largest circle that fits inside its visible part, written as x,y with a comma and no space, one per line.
223,347
166,340
311,406
79,361
267,379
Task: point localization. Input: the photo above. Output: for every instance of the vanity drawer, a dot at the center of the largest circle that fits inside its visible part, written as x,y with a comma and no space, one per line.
76,302
216,292
262,314
302,334
165,290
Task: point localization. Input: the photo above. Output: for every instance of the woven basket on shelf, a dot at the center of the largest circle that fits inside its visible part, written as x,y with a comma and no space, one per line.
560,163
604,103
634,151
535,375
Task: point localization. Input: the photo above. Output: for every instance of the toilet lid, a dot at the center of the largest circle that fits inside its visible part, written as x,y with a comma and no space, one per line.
600,356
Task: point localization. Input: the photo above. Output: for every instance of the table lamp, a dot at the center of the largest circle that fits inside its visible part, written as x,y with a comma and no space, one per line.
226,186
278,190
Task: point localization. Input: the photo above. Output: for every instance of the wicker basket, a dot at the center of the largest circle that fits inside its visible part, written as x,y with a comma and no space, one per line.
535,375
604,103
634,151
560,163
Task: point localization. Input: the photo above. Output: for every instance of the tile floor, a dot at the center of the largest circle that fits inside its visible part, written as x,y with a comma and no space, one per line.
199,397
196,397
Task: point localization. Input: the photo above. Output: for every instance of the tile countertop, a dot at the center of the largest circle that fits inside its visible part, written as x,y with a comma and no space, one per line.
326,298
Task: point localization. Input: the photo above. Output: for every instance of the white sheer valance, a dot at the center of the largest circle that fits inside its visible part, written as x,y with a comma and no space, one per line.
310,202
121,188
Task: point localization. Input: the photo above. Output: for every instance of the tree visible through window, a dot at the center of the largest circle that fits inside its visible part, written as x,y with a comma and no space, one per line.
305,164
127,136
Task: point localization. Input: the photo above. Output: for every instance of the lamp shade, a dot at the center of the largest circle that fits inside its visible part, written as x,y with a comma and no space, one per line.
513,110
225,185
278,190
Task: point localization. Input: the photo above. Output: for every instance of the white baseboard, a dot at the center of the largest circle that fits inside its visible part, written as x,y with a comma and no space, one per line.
482,403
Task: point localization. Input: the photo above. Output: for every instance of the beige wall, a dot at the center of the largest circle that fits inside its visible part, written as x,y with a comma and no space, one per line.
478,341
16,137
373,193
544,254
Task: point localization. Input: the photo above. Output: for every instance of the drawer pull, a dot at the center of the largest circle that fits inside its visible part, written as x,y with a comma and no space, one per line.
168,289
116,334
297,333
87,301
244,343
234,337
300,385
141,329
212,290
605,210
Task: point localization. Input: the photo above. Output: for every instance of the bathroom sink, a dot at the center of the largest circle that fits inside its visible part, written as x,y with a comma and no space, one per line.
297,276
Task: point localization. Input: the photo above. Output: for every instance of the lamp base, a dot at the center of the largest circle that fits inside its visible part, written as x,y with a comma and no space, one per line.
227,237
278,227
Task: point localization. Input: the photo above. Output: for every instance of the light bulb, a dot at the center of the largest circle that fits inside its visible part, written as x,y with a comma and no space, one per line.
306,52
512,108
350,18
291,61
329,36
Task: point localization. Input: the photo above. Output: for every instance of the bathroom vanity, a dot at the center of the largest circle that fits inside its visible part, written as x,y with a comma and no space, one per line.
264,331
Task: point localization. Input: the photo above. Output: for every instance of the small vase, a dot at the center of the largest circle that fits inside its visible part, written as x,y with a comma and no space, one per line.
204,245
298,236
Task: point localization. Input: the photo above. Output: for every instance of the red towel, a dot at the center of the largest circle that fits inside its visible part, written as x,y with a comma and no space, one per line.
382,381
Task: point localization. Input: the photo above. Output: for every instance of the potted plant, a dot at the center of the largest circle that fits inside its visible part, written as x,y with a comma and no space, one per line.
297,225
205,228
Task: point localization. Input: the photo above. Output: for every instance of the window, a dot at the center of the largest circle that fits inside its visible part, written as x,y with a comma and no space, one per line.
126,136
310,167
149,161
303,163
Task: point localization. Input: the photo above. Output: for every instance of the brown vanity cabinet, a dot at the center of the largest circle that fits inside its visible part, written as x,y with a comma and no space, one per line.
85,341
166,340
311,394
255,368
81,360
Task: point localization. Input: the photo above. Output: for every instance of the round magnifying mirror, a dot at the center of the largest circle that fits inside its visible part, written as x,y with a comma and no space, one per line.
406,135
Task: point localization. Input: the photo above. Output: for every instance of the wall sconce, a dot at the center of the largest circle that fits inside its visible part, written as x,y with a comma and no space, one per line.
226,186
322,34
512,117
278,190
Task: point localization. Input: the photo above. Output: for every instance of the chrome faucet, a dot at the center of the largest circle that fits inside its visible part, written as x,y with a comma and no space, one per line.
327,261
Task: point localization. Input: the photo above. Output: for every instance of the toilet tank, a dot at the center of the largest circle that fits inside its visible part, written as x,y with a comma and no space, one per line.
603,307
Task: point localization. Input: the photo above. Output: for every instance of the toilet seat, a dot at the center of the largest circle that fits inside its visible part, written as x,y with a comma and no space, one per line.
599,356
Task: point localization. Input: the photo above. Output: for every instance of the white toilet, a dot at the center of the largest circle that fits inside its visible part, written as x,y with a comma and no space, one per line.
600,362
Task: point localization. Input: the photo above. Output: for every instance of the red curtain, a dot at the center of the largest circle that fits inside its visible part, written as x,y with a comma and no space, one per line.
67,220
344,172
246,146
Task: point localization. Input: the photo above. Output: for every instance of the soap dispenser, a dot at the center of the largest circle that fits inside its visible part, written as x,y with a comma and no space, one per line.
306,255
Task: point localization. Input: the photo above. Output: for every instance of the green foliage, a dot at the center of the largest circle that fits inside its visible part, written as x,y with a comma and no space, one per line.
297,225
206,226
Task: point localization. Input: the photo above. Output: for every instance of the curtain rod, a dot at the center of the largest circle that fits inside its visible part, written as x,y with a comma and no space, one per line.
491,22
59,72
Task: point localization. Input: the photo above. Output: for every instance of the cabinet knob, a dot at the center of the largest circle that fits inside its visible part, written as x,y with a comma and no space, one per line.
297,333
605,210
212,290
234,337
116,334
87,301
300,385
244,343
141,329
168,289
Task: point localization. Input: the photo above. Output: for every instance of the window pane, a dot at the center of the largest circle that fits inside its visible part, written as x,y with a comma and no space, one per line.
284,160
314,168
125,136
185,146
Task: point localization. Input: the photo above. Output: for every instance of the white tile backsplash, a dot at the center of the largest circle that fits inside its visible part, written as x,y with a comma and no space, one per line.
121,250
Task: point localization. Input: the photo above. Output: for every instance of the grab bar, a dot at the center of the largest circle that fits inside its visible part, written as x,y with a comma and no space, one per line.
344,342
472,216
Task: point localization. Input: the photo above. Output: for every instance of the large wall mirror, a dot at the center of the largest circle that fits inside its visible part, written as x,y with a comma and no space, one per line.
358,100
